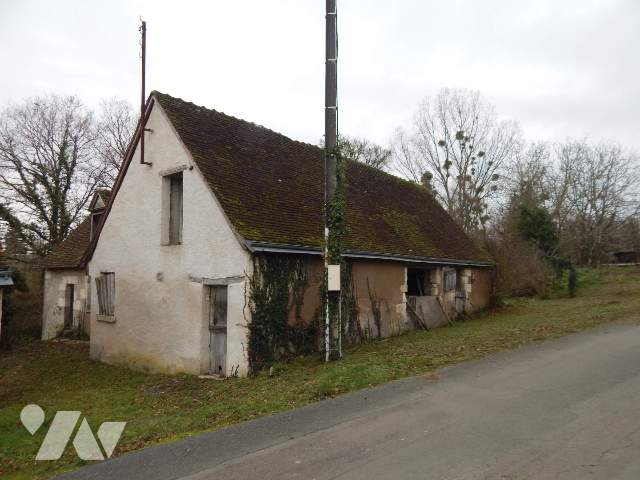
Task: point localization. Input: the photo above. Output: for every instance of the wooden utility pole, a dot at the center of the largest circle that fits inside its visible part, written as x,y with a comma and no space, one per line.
332,253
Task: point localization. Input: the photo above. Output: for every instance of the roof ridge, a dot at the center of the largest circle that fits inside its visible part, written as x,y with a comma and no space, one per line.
219,112
378,171
306,144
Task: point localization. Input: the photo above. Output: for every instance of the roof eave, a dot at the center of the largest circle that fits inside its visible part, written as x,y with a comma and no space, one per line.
66,267
257,247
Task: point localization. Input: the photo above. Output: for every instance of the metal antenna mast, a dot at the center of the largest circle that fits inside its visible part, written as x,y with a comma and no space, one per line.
143,57
333,330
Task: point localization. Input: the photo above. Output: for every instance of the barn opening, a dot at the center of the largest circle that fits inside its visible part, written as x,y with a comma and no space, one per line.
418,282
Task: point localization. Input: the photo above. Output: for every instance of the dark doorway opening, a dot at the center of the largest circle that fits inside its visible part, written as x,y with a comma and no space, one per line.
69,298
416,285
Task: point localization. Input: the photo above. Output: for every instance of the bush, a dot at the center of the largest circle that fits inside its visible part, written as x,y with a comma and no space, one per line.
10,331
521,269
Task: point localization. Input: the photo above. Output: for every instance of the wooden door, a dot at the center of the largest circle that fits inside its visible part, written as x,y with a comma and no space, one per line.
218,330
69,295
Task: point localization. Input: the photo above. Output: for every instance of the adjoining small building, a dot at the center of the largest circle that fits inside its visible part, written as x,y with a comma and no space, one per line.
66,283
165,278
626,256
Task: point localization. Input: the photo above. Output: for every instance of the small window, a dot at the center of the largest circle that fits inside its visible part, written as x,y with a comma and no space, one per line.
175,209
449,279
95,220
106,290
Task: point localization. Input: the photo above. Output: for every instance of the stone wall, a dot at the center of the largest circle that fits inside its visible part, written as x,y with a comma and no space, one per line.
55,285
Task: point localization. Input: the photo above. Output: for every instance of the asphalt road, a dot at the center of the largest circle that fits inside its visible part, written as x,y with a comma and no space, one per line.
565,409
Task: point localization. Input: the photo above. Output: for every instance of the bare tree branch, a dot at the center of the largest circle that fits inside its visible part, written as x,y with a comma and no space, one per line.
457,145
48,168
115,128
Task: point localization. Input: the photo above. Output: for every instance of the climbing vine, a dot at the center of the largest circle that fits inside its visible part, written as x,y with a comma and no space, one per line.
275,287
352,331
335,211
335,223
375,309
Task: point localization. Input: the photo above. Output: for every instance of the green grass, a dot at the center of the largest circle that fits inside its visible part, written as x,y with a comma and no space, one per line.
160,408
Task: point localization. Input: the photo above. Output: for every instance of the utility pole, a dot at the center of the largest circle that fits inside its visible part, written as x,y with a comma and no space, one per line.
333,206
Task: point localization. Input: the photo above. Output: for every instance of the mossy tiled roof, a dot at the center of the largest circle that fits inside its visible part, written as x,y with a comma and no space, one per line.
271,189
69,253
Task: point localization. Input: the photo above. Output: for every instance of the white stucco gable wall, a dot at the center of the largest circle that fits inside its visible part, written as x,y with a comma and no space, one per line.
160,312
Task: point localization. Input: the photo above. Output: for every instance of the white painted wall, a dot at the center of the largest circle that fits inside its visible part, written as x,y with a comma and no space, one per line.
160,313
55,283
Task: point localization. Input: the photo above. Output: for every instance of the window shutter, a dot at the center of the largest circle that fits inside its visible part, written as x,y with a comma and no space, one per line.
106,290
100,291
110,280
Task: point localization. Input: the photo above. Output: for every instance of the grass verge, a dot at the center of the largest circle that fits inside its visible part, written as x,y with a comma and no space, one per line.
160,408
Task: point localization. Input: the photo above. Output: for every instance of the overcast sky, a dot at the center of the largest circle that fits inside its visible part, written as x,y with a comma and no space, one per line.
559,67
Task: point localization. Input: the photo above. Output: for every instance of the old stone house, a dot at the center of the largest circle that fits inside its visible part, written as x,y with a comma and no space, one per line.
67,303
166,271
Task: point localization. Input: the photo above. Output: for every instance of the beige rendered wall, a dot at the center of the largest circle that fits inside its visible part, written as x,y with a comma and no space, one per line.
160,308
387,281
381,283
55,283
481,289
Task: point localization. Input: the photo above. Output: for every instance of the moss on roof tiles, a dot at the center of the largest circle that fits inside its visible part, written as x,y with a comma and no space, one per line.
271,189
68,254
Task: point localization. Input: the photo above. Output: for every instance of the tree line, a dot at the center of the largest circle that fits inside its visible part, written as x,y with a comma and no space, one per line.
535,205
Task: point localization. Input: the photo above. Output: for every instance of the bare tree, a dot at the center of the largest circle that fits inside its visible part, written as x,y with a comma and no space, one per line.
458,146
528,179
115,127
567,158
48,168
601,192
365,151
362,150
